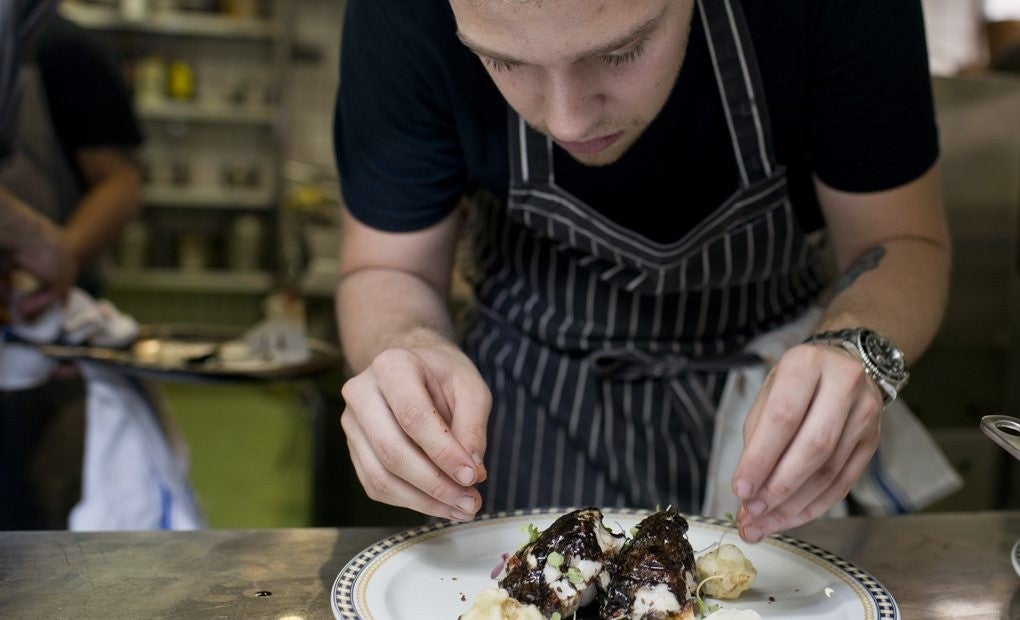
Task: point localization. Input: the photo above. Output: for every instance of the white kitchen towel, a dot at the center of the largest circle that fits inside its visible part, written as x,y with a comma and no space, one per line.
907,473
133,476
132,479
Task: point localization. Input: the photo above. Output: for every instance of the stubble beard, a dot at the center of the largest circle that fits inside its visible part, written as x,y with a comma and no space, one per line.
632,131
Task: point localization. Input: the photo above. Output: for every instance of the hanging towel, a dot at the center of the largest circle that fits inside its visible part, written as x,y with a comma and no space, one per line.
907,473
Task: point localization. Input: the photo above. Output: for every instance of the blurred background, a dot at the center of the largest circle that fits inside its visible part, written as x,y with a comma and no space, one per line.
241,198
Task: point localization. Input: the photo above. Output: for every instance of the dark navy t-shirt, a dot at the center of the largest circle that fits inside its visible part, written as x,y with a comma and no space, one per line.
847,88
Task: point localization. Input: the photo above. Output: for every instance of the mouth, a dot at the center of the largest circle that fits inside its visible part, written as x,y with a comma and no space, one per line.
589,147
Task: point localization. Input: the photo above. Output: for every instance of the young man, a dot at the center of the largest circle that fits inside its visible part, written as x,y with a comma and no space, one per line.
646,173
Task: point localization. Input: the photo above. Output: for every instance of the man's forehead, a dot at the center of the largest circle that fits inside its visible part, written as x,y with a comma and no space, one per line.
567,26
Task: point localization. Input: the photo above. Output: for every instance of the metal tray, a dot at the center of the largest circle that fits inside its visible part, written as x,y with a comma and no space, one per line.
185,352
1004,431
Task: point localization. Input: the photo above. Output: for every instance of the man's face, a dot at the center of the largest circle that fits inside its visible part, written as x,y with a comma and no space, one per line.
592,74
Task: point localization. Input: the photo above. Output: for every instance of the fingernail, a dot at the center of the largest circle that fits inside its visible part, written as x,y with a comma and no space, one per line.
742,489
752,534
756,508
467,504
456,515
466,476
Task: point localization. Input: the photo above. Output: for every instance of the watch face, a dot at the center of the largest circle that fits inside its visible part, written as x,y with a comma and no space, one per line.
884,354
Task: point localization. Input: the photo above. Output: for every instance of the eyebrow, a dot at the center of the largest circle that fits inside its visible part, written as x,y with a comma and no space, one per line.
634,35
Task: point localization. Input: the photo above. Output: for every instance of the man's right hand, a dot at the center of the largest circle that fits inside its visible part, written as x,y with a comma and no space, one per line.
415,422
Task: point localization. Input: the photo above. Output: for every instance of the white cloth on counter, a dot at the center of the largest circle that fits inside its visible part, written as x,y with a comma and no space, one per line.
907,473
132,478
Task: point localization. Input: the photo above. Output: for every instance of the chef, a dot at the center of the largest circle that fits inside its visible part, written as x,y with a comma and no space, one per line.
651,185
69,140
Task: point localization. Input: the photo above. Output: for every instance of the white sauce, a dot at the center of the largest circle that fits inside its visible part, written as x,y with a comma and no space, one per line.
656,598
587,568
551,574
607,541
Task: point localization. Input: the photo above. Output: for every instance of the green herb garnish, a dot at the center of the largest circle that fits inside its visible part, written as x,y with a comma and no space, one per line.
532,532
704,608
555,560
574,576
555,616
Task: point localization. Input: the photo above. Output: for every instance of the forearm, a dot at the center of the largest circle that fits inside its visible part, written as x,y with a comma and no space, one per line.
19,225
903,294
383,308
103,213
893,249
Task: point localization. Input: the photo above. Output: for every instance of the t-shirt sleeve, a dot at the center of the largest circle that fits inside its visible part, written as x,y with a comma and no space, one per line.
88,100
400,162
873,120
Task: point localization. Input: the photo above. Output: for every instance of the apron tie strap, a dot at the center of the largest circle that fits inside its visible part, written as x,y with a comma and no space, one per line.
624,364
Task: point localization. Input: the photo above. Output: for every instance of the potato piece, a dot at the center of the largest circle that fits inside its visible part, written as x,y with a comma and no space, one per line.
736,571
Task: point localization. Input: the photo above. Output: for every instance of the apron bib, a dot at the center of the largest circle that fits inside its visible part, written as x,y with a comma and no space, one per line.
606,352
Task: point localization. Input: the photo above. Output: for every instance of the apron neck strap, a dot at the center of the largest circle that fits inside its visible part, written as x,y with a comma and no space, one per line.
740,87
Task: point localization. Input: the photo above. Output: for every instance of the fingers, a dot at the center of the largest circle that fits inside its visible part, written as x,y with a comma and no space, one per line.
404,415
841,424
834,491
820,436
470,430
382,485
780,411
31,306
401,378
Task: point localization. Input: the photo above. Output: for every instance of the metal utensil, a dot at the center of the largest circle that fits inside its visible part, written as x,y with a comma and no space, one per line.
1004,431
1015,557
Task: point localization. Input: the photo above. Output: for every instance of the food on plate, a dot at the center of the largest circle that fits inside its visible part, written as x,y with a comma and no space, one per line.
725,571
652,578
563,568
496,604
652,575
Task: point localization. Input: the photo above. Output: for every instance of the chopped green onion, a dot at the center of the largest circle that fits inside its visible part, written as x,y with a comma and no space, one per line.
574,576
633,531
729,517
555,616
555,560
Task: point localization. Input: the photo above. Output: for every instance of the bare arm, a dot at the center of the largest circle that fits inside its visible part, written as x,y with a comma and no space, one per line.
905,295
112,200
393,288
815,425
416,412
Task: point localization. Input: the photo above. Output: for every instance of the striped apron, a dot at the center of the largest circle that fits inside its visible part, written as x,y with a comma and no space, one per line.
606,352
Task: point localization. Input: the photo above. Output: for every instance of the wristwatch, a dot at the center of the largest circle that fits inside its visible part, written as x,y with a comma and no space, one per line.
883,361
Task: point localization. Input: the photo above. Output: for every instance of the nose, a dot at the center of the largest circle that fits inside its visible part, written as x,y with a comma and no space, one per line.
573,106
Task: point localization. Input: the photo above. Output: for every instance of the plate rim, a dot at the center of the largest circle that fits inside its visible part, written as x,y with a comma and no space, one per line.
342,592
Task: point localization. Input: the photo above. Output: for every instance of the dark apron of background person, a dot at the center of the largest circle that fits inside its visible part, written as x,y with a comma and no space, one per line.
41,429
606,352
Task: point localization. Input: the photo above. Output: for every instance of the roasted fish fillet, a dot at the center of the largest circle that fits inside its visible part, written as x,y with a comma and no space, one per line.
564,568
652,577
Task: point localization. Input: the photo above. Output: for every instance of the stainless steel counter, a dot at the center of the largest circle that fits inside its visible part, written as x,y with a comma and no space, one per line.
936,566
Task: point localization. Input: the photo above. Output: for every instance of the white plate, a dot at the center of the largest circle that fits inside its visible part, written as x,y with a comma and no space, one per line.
435,571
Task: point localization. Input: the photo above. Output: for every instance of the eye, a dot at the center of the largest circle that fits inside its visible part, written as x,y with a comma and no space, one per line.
499,66
615,60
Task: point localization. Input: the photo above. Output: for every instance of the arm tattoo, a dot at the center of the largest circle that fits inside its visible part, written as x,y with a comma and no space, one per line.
868,261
